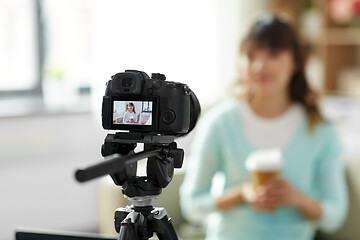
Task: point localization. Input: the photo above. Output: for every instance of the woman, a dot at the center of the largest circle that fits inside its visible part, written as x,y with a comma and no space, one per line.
130,116
278,111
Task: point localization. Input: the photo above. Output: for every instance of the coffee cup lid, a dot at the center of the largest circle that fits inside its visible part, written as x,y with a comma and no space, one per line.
264,160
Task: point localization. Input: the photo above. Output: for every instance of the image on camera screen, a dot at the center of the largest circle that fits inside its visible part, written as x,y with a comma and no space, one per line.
133,112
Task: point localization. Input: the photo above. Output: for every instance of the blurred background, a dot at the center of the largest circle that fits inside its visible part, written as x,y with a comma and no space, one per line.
57,55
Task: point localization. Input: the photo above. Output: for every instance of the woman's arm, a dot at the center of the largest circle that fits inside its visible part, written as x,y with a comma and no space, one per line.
330,183
309,207
270,197
204,161
245,193
230,198
126,117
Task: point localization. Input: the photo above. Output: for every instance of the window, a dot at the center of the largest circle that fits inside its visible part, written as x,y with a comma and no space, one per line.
44,60
67,36
65,47
18,45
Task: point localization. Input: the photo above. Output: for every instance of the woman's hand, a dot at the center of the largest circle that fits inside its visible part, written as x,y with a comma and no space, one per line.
259,198
255,197
278,192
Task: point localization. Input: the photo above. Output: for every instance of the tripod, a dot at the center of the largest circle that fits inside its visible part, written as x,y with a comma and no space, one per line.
141,219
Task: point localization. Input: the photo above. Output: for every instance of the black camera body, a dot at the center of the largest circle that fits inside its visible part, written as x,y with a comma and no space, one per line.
133,101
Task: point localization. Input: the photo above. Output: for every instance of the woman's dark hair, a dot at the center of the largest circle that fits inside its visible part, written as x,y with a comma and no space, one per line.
131,104
276,33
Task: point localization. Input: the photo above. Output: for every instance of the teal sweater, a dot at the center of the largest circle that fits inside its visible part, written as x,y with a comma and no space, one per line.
312,164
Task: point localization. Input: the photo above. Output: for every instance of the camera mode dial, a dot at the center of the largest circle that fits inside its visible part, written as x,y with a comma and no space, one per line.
158,76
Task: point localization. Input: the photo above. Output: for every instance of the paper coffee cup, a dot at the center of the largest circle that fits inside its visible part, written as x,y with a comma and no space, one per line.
263,165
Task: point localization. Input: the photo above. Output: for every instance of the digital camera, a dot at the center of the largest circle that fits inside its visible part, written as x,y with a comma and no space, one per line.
133,101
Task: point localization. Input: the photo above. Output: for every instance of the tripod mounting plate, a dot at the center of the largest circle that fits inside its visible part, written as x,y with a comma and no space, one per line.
132,137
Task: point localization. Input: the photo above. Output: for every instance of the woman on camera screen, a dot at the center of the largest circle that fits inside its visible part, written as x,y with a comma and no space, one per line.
278,125
130,115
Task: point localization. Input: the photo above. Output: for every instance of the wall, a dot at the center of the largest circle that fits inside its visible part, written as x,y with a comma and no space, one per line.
38,157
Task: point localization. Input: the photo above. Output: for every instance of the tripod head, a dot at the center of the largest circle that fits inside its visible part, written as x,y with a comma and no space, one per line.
121,163
140,220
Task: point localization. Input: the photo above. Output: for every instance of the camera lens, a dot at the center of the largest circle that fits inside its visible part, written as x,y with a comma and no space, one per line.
127,82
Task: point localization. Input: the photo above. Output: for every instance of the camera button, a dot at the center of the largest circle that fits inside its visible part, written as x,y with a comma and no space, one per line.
168,116
187,90
150,91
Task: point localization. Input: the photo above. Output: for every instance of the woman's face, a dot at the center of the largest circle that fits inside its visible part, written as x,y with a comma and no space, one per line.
131,108
267,71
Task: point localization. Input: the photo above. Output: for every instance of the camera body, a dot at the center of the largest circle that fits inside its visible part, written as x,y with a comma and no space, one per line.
133,101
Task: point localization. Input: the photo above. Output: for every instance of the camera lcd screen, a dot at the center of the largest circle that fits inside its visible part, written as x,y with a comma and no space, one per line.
138,113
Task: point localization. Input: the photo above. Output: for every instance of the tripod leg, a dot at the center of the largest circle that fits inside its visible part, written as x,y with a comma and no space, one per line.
127,232
164,228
